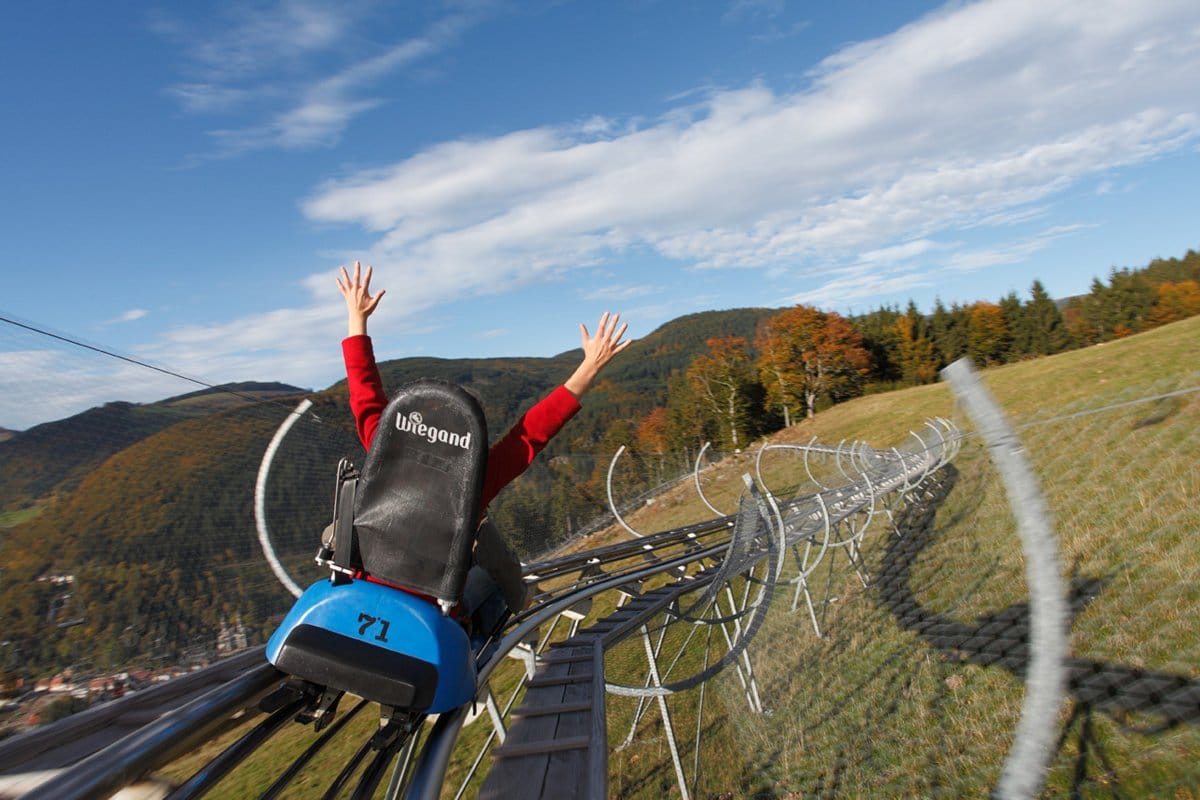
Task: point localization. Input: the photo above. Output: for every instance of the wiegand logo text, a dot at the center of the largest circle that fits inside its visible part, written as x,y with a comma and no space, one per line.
414,424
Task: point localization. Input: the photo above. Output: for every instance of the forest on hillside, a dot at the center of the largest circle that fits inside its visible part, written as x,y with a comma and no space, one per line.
128,531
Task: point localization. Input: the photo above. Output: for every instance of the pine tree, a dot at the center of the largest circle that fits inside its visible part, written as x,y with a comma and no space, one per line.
879,338
948,330
1085,316
1128,302
1018,334
1043,327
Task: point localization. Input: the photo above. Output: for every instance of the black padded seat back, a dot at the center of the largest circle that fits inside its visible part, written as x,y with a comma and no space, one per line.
417,504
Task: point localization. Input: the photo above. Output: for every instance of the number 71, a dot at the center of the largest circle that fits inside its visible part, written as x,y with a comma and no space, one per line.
367,621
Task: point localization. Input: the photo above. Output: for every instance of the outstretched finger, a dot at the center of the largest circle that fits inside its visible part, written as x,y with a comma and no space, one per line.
617,339
366,284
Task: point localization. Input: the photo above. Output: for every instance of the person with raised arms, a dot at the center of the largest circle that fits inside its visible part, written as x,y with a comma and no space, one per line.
508,457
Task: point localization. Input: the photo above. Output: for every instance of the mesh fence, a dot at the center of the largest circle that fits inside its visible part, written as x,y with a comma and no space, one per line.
915,686
128,535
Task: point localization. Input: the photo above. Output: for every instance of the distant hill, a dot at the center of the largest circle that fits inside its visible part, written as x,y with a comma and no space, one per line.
53,456
6,434
236,394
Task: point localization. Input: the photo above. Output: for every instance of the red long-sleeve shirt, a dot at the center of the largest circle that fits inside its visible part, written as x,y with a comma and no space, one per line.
507,458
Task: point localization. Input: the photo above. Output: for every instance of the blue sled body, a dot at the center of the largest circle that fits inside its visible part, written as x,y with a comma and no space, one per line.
378,643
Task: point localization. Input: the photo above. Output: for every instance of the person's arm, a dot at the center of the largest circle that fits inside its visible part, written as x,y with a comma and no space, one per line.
367,398
513,454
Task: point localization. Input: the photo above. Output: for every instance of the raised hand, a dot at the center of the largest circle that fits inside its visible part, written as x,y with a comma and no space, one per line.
360,303
598,350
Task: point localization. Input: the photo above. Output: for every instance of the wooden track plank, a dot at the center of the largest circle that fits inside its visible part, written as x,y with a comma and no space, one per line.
520,765
567,773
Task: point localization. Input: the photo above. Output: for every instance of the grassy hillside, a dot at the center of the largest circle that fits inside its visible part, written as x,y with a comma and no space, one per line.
904,695
46,458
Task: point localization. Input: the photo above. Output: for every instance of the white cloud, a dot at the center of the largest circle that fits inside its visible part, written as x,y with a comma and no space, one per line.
39,384
899,252
622,293
740,9
262,59
131,315
860,284
894,271
249,42
975,115
208,98
495,333
1008,252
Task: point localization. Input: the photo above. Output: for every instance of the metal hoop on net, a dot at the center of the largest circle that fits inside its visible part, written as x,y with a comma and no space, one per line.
757,611
700,491
807,469
758,476
805,564
260,493
837,460
743,564
612,465
827,524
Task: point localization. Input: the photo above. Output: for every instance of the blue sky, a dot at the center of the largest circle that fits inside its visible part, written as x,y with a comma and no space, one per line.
182,180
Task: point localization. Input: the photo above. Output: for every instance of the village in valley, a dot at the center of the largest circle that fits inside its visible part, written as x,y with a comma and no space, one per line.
26,703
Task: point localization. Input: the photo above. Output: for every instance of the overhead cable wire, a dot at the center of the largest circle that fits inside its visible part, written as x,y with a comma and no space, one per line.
216,387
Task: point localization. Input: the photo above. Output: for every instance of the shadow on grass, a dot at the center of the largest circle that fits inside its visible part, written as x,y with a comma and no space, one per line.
1160,701
837,696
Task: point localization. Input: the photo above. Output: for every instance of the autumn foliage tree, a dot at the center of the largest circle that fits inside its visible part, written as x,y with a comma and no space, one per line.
918,360
654,441
722,381
987,334
808,354
1175,301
